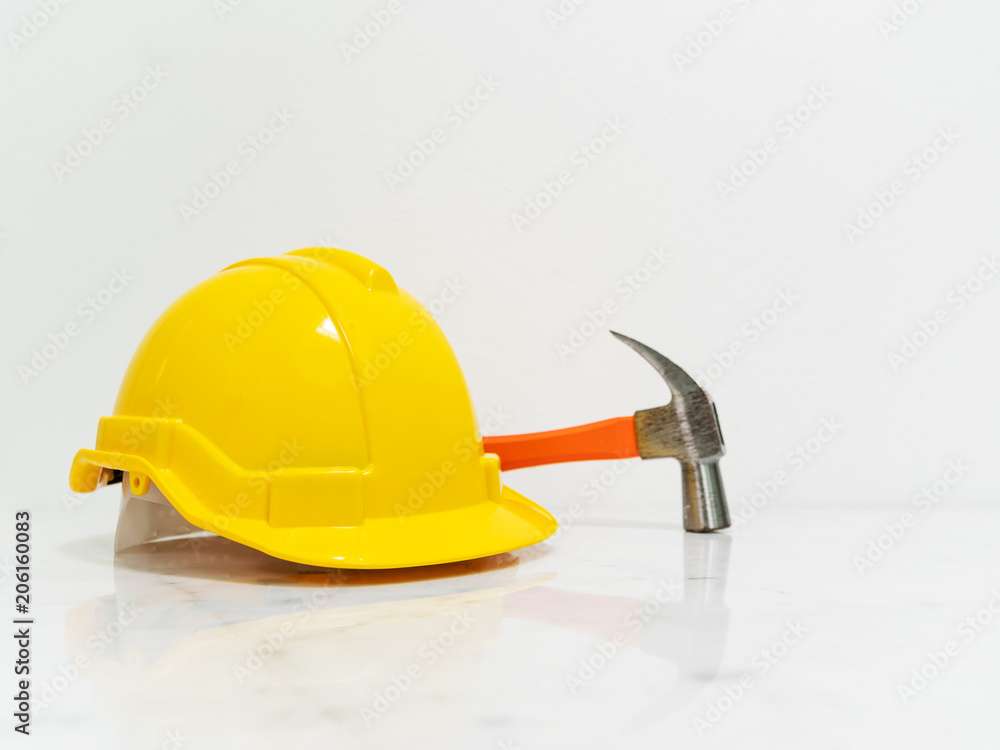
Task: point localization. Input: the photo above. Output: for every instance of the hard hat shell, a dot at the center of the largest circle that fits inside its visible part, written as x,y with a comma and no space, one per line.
306,406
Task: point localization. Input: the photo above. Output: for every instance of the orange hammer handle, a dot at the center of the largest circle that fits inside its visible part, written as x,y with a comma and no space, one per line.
612,438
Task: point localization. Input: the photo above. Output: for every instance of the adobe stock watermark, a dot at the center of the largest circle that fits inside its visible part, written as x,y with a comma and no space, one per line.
746,508
708,34
761,663
86,312
261,310
427,655
898,18
462,451
451,290
121,108
454,118
48,692
440,303
366,32
592,491
937,661
258,656
174,739
955,300
758,155
606,650
885,198
750,333
625,287
367,372
891,533
272,642
249,149
562,12
223,8
371,369
259,482
579,161
32,25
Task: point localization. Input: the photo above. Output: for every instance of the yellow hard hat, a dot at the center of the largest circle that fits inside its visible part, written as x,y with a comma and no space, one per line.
306,406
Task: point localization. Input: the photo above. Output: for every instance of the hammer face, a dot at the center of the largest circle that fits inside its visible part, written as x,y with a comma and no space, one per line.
705,507
691,434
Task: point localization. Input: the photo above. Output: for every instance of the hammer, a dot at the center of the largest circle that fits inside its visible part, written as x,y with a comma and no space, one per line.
687,429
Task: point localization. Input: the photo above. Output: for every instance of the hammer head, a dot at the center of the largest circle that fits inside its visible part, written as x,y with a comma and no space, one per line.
686,429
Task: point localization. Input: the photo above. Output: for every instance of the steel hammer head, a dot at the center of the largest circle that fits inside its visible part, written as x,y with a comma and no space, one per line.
686,429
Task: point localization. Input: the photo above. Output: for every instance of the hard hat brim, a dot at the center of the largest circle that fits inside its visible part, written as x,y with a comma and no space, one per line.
398,541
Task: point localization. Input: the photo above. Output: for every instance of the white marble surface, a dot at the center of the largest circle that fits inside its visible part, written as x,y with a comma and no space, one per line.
169,635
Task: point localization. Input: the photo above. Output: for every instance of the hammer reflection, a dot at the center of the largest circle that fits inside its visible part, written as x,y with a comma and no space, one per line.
689,631
692,633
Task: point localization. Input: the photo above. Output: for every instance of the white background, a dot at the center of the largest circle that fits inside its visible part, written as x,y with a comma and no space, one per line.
322,181
687,124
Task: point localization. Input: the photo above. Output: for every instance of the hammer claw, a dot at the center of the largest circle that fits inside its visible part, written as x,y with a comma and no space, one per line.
679,382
